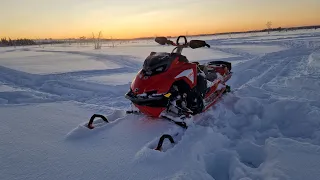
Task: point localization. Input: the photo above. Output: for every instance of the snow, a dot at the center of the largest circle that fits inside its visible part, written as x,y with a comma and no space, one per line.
5,88
267,128
114,79
48,62
314,60
254,50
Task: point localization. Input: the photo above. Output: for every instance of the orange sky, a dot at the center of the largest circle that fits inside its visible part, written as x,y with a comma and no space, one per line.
139,18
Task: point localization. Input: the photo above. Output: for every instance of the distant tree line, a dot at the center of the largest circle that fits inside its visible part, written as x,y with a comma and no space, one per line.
269,29
27,42
16,42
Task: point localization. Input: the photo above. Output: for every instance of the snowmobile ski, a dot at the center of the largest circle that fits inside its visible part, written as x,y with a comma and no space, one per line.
90,123
99,120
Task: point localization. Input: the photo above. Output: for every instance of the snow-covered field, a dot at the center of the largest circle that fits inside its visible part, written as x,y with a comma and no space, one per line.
267,128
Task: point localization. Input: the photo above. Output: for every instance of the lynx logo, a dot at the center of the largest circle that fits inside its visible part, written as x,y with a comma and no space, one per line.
187,73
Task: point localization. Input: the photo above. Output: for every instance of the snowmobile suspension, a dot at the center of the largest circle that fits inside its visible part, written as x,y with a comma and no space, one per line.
90,126
163,137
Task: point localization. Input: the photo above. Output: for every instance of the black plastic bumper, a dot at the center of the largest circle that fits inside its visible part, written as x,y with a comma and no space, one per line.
153,101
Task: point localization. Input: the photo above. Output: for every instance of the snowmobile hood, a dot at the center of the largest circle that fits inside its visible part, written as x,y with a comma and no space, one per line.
156,84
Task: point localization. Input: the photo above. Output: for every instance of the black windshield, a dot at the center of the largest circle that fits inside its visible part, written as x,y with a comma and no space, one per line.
157,63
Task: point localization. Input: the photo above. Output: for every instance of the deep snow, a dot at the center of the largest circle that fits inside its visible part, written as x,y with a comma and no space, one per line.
267,128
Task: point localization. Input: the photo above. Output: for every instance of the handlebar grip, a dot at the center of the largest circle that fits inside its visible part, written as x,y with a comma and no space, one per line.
185,40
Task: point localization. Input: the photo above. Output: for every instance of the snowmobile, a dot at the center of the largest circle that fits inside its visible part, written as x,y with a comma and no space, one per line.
170,86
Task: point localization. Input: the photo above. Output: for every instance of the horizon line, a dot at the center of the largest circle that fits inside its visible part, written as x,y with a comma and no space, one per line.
190,35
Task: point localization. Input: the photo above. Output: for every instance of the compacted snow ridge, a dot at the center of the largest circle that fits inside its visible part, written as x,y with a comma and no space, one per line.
268,127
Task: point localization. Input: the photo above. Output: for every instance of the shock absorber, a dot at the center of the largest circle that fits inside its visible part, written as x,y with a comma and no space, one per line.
182,104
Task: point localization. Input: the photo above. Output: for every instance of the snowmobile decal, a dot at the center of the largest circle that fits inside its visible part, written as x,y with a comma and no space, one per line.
187,73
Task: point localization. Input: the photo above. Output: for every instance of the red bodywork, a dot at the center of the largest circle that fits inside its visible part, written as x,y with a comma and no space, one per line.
161,83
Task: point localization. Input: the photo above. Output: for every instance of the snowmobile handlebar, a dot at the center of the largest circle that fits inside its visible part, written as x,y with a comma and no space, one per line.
192,44
185,40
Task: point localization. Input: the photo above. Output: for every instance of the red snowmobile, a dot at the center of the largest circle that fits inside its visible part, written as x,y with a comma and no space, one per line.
170,86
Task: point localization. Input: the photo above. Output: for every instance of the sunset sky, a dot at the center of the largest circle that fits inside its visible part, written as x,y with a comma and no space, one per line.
140,18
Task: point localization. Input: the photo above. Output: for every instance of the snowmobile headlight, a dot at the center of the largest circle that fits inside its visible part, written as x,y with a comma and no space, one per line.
160,69
167,95
149,73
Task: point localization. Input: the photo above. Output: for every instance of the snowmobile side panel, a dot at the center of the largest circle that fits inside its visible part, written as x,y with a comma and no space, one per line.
189,76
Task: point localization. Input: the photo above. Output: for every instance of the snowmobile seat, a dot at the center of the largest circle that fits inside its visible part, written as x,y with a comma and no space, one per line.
210,75
221,63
